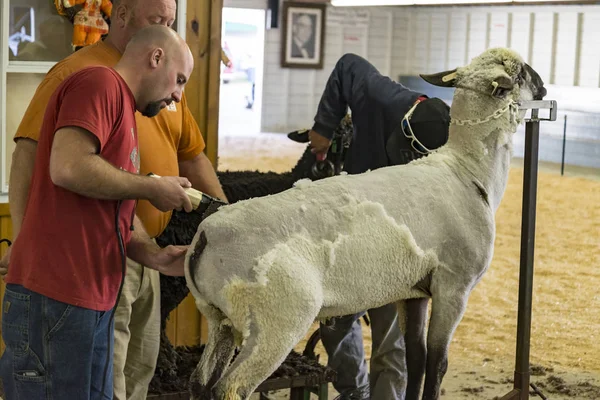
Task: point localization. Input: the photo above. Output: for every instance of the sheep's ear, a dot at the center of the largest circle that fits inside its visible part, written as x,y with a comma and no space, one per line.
445,79
501,86
300,136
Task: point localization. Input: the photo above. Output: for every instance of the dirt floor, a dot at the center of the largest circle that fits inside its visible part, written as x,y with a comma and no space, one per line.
565,345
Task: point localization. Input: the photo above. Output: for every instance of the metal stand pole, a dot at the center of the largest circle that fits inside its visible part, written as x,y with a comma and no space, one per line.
562,164
532,133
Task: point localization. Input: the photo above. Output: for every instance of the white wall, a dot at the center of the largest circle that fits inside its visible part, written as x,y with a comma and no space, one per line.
561,42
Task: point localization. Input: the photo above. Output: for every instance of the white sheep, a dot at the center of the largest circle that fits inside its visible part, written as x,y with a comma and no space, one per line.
263,270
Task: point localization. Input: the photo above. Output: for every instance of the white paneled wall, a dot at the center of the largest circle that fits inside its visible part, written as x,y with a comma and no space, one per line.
566,48
520,32
478,33
542,43
457,39
590,56
498,36
561,42
438,46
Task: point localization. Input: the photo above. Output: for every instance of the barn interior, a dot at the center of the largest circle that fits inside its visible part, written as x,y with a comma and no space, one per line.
249,90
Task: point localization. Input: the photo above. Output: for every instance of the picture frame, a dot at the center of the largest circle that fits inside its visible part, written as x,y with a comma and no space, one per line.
303,35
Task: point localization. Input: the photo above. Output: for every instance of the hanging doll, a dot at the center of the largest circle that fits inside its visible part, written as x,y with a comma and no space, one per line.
89,23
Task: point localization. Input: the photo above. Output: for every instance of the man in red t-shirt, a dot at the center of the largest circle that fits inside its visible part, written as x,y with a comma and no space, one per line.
77,230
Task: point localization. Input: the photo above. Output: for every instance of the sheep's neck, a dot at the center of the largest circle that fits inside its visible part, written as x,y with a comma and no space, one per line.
484,150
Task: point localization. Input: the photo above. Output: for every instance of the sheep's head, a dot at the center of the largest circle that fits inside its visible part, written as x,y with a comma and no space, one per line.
489,87
499,72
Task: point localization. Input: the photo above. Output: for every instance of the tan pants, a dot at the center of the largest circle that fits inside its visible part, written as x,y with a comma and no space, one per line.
137,333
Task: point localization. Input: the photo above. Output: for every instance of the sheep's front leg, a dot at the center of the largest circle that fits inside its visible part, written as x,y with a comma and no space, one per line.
416,351
215,358
447,309
275,327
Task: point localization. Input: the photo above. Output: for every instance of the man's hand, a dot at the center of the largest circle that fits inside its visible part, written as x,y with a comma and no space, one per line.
169,193
4,263
169,260
319,144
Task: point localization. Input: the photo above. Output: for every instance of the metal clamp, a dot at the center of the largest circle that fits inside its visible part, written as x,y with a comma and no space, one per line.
535,105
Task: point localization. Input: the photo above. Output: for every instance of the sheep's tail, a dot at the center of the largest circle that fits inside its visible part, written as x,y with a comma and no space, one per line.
194,259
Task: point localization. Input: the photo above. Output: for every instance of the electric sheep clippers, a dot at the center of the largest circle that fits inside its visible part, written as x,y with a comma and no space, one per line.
197,197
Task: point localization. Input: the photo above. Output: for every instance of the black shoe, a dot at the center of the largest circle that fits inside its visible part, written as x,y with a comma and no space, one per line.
358,394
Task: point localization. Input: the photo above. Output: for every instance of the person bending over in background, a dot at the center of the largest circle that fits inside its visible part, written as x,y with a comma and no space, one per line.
392,125
68,260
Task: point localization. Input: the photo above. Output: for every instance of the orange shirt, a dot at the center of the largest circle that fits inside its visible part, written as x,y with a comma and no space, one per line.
170,137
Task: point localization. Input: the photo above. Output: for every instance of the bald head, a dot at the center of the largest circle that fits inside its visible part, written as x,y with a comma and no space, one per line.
129,16
156,64
153,36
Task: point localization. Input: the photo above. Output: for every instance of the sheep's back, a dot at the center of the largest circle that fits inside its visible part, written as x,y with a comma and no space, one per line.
436,206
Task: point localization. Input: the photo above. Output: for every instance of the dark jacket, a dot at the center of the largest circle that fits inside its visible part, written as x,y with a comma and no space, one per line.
377,106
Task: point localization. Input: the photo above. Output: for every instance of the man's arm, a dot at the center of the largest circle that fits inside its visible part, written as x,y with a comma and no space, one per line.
76,166
193,163
169,260
140,246
21,171
202,175
26,137
355,83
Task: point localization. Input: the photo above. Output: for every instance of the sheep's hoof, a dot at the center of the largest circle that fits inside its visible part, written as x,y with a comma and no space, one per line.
200,392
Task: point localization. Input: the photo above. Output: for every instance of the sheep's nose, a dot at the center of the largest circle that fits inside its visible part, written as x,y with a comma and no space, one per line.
541,93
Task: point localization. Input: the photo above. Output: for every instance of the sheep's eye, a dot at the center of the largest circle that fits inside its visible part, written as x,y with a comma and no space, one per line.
520,78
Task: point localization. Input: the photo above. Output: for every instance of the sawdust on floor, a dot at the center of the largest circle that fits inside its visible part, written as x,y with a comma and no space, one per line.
565,335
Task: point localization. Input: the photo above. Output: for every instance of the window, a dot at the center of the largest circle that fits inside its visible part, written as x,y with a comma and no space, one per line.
36,32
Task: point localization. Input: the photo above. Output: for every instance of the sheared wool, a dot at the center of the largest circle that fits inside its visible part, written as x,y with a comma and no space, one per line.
273,265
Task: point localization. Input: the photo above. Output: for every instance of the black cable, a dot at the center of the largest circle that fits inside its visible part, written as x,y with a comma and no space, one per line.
112,314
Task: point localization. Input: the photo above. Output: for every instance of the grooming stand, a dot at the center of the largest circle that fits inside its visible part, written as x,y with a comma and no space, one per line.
530,172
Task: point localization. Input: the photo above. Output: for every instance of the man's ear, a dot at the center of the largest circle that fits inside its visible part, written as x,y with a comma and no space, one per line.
501,86
119,16
158,56
444,79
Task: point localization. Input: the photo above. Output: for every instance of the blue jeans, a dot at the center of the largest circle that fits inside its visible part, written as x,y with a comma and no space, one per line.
344,345
54,350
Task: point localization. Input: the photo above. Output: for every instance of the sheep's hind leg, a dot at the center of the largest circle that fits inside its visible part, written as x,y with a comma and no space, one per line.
273,333
447,310
215,358
416,350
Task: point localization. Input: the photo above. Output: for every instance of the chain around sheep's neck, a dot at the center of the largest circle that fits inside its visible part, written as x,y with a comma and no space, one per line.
512,106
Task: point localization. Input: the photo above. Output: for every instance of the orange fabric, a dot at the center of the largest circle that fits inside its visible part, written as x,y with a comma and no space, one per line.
88,24
170,137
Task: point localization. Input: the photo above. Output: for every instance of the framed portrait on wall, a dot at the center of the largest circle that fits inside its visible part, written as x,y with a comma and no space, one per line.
302,35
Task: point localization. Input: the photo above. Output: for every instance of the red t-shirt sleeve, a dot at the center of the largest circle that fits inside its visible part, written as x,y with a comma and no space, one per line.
91,99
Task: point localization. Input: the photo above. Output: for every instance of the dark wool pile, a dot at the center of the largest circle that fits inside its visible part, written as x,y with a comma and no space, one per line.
186,358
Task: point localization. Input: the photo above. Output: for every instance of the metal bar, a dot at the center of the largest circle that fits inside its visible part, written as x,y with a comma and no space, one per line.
541,105
532,133
537,104
522,372
323,391
514,394
562,163
297,393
